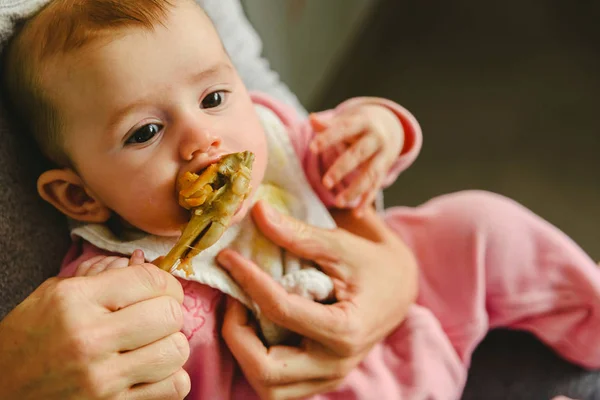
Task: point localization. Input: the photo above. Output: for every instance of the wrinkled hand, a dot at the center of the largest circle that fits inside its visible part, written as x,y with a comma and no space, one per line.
378,273
372,137
113,335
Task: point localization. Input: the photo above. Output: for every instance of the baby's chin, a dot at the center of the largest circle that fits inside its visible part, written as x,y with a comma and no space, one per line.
165,228
173,227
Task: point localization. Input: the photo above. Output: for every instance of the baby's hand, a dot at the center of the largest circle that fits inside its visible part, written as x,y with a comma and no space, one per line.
97,264
373,137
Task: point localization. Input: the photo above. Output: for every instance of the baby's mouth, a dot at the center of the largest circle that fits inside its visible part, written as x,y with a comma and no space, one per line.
214,196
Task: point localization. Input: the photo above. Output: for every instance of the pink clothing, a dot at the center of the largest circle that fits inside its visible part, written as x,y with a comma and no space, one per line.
485,262
315,166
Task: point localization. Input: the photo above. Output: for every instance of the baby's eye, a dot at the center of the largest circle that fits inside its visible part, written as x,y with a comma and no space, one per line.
145,133
214,99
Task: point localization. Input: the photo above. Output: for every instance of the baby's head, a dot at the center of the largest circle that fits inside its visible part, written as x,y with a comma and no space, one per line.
125,97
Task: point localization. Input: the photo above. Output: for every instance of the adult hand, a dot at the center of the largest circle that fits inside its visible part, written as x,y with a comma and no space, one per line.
114,335
375,278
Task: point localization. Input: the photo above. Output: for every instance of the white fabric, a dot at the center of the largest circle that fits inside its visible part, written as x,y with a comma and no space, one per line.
12,11
293,196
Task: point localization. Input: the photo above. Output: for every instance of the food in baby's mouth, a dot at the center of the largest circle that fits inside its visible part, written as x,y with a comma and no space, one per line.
213,197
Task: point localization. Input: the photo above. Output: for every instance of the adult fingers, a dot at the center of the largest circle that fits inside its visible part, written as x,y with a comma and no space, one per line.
323,323
369,226
320,245
144,322
119,288
278,365
356,155
176,386
154,362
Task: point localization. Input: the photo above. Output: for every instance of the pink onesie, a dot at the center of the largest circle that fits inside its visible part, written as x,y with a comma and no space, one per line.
485,262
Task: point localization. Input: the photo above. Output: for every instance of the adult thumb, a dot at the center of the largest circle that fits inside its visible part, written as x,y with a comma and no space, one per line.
316,244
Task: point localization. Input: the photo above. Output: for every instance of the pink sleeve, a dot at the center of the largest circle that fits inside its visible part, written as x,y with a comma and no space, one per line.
315,165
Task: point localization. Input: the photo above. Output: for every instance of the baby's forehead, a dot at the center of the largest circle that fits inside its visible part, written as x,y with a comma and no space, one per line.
65,28
67,35
64,35
135,66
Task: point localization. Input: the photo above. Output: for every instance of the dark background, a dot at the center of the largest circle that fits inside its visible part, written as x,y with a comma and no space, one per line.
507,96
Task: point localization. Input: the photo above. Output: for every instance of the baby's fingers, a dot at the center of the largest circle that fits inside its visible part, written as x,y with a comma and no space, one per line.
351,159
369,178
342,128
120,262
84,267
96,266
137,258
367,199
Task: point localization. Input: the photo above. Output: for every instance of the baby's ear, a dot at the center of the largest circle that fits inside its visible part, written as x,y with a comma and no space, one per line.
65,190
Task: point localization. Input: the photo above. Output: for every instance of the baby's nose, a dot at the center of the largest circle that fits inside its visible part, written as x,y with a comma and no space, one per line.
199,141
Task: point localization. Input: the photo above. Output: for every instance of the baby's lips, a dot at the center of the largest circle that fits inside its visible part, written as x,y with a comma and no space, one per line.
190,176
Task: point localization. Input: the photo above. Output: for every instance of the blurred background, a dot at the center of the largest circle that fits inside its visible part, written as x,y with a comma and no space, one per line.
506,92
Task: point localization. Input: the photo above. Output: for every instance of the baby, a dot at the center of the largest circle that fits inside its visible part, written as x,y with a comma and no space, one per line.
126,97
124,129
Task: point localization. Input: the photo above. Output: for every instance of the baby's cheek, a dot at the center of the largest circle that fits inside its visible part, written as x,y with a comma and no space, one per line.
162,221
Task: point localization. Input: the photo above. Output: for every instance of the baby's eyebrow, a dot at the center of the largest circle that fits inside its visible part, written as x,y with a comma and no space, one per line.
121,112
211,71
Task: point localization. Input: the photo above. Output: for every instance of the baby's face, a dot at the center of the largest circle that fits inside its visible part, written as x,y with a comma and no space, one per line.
141,110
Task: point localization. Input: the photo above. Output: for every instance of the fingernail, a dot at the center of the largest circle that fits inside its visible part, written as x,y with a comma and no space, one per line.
340,202
328,182
138,253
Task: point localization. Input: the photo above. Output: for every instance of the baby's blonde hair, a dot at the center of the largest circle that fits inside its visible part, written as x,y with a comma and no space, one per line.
59,28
